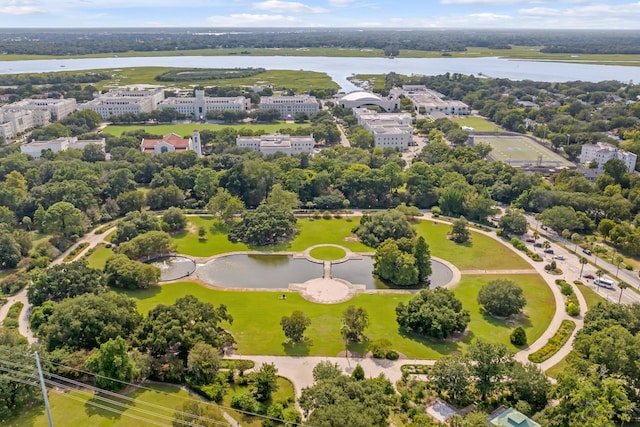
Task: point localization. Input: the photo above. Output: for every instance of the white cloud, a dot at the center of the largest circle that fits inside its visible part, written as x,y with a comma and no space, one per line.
340,3
294,7
20,7
487,2
249,20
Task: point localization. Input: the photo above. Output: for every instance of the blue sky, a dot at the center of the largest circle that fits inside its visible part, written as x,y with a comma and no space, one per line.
584,14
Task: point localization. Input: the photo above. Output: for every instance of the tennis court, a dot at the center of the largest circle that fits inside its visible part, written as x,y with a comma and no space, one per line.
521,151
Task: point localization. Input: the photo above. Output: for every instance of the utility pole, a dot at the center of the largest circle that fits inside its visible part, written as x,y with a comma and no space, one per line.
44,390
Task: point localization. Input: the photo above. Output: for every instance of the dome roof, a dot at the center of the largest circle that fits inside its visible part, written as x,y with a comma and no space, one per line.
361,96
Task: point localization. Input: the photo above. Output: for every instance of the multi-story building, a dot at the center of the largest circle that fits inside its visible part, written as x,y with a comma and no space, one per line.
362,99
275,143
57,108
26,114
198,106
35,148
427,101
288,106
388,129
602,152
117,102
172,143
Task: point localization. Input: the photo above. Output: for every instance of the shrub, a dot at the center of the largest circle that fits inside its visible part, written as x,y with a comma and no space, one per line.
628,267
245,402
436,211
13,283
536,257
566,289
215,391
555,342
518,244
392,355
572,309
380,347
518,336
326,215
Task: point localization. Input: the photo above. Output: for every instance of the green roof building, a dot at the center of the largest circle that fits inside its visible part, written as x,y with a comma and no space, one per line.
509,417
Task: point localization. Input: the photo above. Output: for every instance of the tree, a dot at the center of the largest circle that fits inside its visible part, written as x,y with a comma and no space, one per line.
622,285
354,321
203,363
225,206
134,224
131,201
87,320
513,222
149,243
265,382
174,218
65,219
560,218
112,361
294,326
64,281
16,396
267,225
122,272
605,227
502,297
583,261
422,255
10,254
618,259
518,337
165,197
395,265
326,370
436,313
489,367
358,373
287,200
451,375
460,231
380,226
529,384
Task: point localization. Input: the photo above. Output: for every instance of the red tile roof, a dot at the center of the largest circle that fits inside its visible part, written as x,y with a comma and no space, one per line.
179,143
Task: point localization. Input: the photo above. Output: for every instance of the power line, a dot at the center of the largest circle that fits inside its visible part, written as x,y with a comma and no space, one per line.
253,414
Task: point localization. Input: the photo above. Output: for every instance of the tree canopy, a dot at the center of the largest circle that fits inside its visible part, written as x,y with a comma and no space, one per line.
436,313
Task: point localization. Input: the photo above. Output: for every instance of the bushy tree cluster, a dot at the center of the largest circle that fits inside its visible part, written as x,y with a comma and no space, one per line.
406,262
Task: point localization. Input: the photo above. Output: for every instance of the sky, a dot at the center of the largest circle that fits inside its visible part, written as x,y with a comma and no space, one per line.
491,14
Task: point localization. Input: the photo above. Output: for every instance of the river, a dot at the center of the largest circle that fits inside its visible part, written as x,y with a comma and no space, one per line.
340,68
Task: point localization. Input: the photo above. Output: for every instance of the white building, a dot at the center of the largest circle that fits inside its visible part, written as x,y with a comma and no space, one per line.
429,101
362,99
388,129
57,108
26,114
172,143
35,148
117,102
602,152
198,106
288,106
270,144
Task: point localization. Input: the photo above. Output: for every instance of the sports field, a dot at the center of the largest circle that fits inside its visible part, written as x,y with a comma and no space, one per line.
521,151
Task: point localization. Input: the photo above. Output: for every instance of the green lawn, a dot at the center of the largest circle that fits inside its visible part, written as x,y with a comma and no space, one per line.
479,124
99,257
327,253
216,242
521,150
256,325
187,129
590,296
67,411
483,253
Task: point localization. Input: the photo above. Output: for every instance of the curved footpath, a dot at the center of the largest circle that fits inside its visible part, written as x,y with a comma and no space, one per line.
299,369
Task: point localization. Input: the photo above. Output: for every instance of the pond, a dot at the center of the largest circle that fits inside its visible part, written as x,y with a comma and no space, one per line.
174,267
255,271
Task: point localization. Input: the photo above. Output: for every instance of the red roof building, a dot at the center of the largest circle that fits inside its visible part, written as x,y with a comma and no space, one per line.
171,143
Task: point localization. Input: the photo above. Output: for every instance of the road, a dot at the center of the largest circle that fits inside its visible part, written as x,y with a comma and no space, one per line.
571,266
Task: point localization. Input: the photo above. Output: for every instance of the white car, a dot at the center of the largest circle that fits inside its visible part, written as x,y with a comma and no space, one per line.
560,257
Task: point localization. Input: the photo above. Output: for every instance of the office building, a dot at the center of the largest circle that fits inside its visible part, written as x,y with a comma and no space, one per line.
288,106
198,106
274,143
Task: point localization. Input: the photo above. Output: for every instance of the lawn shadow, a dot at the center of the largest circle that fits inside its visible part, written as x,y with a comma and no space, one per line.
219,227
140,294
442,347
102,408
512,321
297,348
27,417
360,348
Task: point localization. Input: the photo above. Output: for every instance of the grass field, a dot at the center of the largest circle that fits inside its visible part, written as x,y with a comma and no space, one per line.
99,257
590,296
480,124
187,129
520,151
299,80
327,253
257,315
519,52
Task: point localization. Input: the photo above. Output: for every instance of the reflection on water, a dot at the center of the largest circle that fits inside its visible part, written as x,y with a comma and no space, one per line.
277,271
172,268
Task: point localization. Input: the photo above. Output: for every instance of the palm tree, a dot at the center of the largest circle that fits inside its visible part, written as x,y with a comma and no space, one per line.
546,245
618,260
597,250
576,238
536,235
622,286
583,261
600,272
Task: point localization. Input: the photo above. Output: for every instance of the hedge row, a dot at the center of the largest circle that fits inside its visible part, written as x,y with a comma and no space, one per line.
521,246
11,321
555,342
74,253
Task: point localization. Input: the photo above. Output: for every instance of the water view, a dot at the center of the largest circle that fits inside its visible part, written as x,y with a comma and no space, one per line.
277,271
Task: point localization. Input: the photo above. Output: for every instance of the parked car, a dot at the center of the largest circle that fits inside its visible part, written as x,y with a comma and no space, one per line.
537,245
587,251
589,276
548,251
560,257
531,240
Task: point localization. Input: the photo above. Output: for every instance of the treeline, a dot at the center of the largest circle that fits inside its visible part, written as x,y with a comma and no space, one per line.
52,78
207,74
67,42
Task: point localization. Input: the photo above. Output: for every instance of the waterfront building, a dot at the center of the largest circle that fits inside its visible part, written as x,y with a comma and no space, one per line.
274,143
198,106
288,106
35,148
602,152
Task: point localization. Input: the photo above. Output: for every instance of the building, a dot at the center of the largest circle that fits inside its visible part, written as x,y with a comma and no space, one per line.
389,129
602,152
509,417
26,114
57,108
198,106
362,99
35,148
427,101
117,102
277,143
172,143
288,106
